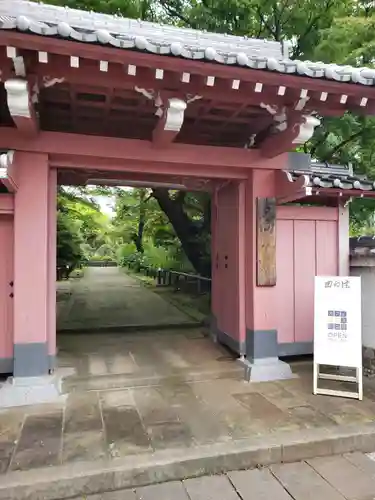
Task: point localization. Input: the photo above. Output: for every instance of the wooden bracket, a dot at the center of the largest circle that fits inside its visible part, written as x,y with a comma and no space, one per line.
21,107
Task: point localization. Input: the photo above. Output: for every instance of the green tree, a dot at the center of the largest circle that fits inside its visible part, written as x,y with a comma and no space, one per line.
137,9
82,230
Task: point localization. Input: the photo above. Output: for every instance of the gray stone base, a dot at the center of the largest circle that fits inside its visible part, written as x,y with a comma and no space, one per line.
218,335
213,328
24,391
6,365
266,369
368,356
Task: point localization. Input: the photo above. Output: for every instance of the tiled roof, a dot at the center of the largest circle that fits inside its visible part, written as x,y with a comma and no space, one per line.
119,32
362,246
325,176
75,25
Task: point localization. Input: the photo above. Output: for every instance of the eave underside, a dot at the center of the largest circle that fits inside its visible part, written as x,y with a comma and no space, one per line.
95,90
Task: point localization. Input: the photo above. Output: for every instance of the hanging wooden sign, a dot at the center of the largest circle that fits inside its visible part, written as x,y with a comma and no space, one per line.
266,241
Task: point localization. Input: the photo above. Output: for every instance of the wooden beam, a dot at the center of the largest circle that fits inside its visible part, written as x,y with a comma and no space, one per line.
105,149
7,177
119,167
170,122
81,177
288,190
266,242
6,204
20,105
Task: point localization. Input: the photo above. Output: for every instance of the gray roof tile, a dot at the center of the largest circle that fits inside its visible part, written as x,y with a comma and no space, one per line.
324,175
116,31
362,246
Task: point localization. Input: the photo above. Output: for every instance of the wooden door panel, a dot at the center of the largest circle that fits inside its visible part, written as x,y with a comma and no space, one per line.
6,277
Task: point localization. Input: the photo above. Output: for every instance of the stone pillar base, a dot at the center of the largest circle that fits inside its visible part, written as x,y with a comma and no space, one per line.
266,370
368,355
22,391
213,328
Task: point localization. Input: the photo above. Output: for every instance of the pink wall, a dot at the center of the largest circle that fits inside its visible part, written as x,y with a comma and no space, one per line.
31,249
307,245
6,276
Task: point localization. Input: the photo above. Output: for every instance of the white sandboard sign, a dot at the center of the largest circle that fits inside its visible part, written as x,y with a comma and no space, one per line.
338,331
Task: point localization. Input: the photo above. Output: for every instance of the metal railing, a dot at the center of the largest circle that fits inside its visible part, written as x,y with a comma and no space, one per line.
180,281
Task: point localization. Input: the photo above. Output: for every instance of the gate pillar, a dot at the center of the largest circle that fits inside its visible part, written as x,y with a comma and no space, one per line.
31,382
261,320
228,278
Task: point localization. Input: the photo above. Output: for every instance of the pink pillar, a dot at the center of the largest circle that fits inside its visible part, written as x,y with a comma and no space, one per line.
261,319
259,314
31,260
214,284
52,235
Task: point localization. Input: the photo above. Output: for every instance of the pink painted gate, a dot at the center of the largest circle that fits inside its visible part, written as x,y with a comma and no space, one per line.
227,272
6,302
307,245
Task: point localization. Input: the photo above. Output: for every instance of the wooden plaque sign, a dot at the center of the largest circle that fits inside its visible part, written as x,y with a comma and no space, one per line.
266,241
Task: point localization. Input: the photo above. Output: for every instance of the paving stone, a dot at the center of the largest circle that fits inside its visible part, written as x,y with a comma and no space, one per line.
6,452
309,417
124,431
84,446
112,495
279,395
304,483
229,411
11,423
210,488
117,398
257,485
203,423
349,480
166,491
363,462
342,412
264,414
153,408
170,435
40,442
82,413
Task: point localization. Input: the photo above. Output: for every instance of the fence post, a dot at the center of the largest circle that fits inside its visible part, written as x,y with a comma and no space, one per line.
159,276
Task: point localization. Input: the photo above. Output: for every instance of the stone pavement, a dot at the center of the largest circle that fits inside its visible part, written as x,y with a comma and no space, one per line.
147,407
346,477
107,298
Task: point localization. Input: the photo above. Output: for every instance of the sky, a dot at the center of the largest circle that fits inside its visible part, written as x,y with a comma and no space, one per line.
107,204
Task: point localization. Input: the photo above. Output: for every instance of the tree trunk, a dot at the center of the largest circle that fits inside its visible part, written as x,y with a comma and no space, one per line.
189,234
141,222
